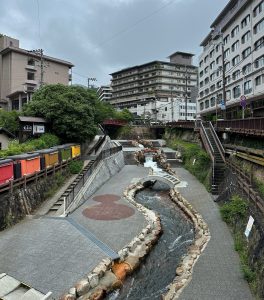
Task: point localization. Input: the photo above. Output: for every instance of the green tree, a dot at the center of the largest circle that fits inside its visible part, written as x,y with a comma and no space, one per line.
9,120
69,109
124,115
104,111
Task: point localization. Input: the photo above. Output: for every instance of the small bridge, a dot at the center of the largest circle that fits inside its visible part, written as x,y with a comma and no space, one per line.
164,177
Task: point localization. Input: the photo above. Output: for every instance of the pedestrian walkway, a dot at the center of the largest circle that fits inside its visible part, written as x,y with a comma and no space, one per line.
52,253
217,274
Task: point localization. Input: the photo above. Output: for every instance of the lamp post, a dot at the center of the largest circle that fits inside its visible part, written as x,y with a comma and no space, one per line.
90,79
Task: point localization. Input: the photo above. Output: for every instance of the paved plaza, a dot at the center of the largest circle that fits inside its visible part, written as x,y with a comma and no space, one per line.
51,254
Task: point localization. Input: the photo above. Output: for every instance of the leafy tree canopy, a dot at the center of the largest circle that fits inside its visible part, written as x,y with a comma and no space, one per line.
124,115
69,109
9,120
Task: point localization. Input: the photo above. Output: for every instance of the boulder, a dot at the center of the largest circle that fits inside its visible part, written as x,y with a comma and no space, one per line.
82,287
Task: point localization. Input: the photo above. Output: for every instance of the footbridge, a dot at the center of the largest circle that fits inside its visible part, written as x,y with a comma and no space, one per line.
161,176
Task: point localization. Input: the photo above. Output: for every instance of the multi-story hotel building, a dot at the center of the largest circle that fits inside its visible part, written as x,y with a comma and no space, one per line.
146,88
22,72
104,93
235,44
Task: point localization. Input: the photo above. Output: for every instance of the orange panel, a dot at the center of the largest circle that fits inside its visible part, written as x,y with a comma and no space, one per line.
31,166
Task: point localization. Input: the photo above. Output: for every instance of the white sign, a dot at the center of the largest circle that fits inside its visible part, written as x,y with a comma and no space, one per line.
38,129
249,226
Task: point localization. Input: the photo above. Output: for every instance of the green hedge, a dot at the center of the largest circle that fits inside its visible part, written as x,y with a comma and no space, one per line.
47,140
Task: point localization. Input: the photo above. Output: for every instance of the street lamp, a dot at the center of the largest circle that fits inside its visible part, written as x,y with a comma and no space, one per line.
90,79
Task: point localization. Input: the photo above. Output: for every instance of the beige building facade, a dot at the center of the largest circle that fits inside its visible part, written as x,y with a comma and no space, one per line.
22,72
145,88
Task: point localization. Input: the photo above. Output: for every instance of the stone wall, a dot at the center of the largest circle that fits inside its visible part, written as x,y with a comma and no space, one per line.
256,238
23,201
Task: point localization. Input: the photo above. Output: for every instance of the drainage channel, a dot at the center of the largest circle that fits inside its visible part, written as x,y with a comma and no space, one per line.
151,280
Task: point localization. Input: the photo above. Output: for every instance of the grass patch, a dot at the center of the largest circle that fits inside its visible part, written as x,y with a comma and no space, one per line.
195,159
58,180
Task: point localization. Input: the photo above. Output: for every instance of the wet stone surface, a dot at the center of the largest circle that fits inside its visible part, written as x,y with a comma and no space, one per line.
150,281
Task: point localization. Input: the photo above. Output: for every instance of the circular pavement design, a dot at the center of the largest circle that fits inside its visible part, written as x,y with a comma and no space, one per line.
108,209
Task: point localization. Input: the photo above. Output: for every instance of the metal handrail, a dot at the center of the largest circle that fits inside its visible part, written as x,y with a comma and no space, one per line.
219,144
207,138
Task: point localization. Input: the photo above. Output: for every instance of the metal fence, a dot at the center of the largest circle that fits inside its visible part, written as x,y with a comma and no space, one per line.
81,179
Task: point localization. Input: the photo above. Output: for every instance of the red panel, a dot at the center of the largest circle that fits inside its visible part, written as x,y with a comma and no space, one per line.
6,173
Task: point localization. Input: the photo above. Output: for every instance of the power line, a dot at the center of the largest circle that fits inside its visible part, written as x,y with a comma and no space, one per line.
114,36
37,1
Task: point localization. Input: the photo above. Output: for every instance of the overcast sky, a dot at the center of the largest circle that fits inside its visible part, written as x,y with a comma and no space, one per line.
103,36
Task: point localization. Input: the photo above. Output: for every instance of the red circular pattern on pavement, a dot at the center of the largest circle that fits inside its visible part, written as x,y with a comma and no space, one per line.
108,209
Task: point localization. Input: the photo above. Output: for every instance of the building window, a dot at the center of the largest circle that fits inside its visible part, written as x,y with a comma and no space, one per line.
235,31
206,59
226,39
235,60
236,75
246,37
219,84
259,26
201,74
201,106
212,65
228,79
201,63
248,87
212,53
212,76
236,91
227,66
217,48
201,94
201,84
259,43
259,62
245,21
207,104
206,91
246,52
235,46
226,53
212,87
31,62
218,60
212,101
228,95
206,80
246,69
206,70
31,76
259,80
258,9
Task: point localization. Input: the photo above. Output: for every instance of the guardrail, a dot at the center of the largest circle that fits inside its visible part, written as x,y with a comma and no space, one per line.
245,182
82,177
252,126
180,124
23,181
217,141
97,145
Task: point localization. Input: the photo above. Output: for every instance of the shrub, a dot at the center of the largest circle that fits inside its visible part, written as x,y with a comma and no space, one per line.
233,210
75,166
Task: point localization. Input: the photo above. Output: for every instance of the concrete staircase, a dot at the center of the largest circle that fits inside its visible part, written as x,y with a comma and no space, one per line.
13,289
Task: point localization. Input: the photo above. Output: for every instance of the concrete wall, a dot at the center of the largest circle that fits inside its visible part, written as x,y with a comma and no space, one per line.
4,140
104,171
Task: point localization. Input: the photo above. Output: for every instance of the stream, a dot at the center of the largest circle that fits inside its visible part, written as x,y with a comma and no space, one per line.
157,271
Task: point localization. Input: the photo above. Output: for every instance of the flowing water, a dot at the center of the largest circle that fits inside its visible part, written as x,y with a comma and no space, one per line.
150,281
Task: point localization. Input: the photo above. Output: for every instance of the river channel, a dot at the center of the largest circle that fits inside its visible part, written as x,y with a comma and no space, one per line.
151,280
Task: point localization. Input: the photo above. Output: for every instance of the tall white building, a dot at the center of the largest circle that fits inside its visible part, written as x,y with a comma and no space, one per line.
236,41
104,93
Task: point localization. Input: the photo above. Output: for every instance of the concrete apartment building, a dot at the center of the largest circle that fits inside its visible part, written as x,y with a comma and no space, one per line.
104,93
236,41
148,89
20,73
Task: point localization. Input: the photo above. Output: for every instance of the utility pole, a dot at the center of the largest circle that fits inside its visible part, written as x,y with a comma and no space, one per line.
90,79
39,52
223,78
186,95
172,111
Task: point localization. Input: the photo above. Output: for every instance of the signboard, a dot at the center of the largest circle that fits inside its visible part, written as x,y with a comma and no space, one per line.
222,105
249,226
243,101
27,128
37,129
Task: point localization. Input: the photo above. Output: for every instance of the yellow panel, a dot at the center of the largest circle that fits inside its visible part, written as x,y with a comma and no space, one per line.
76,150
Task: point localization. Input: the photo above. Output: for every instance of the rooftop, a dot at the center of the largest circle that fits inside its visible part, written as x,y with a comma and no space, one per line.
31,119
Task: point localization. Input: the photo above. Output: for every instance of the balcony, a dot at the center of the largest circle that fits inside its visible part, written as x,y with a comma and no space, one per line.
31,67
